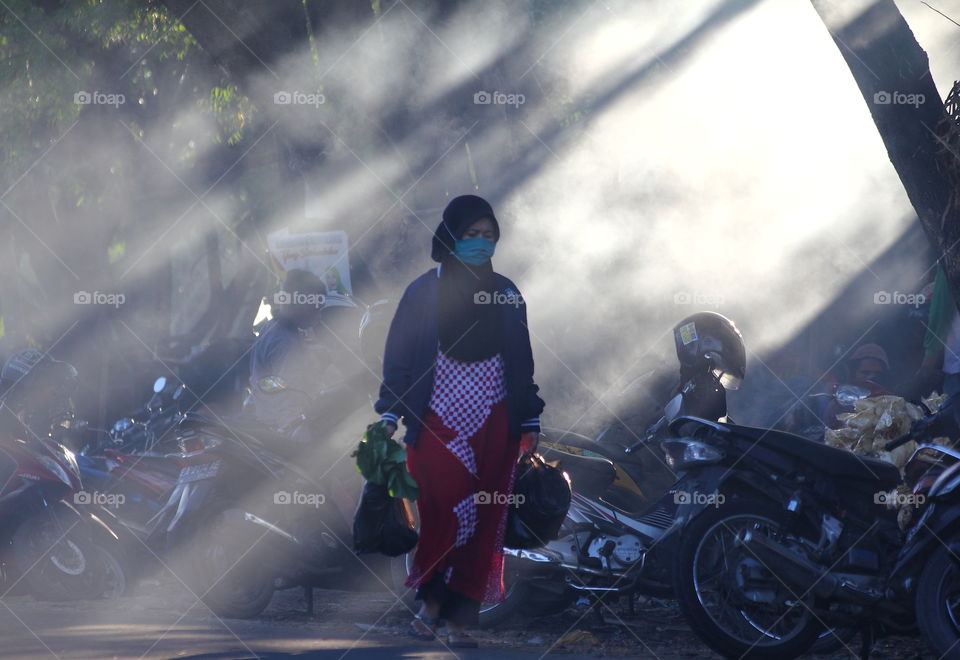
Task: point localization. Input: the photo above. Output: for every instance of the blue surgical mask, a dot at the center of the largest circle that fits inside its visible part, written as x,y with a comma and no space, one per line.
474,251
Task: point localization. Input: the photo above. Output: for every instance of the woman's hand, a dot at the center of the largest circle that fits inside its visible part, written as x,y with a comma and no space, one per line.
529,442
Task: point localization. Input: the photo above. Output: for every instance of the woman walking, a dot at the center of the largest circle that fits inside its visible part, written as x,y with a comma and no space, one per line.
458,368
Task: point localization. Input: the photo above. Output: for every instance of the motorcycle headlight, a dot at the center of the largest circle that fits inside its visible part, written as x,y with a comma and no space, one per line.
684,452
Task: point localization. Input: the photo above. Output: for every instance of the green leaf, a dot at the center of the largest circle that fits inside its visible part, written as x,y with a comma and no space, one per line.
382,460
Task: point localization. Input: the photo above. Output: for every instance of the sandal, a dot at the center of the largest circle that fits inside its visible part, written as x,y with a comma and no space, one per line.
461,640
429,623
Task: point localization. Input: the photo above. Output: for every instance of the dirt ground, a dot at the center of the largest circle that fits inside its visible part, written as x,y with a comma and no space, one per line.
161,619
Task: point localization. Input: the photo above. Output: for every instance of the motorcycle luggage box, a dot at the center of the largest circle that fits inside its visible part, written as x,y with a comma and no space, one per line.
589,475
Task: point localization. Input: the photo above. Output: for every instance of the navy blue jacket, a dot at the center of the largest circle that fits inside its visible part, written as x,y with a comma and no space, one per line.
411,351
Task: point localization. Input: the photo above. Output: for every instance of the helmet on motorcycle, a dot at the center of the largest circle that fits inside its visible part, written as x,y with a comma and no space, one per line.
20,363
35,367
710,342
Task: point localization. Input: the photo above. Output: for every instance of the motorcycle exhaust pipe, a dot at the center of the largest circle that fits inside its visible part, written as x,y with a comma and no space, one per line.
544,559
584,587
802,573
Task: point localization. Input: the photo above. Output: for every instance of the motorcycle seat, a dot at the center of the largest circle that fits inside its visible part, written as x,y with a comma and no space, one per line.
245,427
252,427
830,460
160,463
589,475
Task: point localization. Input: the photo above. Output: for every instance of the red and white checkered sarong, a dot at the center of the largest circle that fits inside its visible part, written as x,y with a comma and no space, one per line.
463,461
464,393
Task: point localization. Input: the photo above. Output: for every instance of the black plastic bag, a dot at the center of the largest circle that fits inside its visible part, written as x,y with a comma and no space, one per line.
541,500
382,523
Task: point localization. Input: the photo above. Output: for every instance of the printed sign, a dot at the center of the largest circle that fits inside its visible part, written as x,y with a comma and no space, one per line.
322,253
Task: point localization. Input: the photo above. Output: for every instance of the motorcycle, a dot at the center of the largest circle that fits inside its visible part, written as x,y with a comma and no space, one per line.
243,520
51,542
247,517
620,534
796,537
612,543
149,428
244,517
927,562
631,501
139,464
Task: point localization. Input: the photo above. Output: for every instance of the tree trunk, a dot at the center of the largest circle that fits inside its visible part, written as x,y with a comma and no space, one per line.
893,74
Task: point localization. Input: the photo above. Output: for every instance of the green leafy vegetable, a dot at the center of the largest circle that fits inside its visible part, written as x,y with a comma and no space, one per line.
382,460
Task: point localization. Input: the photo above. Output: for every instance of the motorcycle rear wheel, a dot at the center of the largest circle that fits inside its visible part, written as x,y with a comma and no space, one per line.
708,557
225,573
115,582
938,603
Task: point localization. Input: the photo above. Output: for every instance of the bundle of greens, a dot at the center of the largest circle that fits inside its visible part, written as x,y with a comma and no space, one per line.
383,461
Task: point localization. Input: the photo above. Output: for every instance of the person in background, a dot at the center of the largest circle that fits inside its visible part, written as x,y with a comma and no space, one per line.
458,368
287,349
941,344
864,368
296,349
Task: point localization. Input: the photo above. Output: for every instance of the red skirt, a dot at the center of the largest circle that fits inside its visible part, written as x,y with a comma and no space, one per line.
463,515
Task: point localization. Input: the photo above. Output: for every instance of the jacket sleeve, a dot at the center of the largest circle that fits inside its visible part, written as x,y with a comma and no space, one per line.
532,405
942,309
398,359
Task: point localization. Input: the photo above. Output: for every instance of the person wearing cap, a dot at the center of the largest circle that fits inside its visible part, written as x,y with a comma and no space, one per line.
866,365
287,348
458,370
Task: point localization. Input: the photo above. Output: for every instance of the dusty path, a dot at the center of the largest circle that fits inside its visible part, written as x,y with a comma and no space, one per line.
162,620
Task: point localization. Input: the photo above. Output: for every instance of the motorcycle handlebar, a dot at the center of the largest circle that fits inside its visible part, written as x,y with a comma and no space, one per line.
902,440
920,427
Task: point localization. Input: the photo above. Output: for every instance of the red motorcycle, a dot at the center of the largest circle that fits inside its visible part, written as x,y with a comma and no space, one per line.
52,542
59,551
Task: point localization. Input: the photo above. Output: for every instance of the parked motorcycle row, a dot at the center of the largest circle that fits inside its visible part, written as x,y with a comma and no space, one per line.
773,544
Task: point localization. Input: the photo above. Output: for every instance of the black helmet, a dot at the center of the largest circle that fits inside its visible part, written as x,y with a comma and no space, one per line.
31,367
20,363
707,341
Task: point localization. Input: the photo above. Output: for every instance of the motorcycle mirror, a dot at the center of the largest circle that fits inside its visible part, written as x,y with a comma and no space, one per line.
847,394
271,384
159,384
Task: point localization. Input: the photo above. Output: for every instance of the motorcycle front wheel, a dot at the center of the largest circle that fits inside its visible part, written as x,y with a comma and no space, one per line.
735,603
57,558
938,603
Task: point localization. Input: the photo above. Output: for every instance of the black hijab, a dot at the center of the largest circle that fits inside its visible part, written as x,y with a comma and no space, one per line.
468,322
